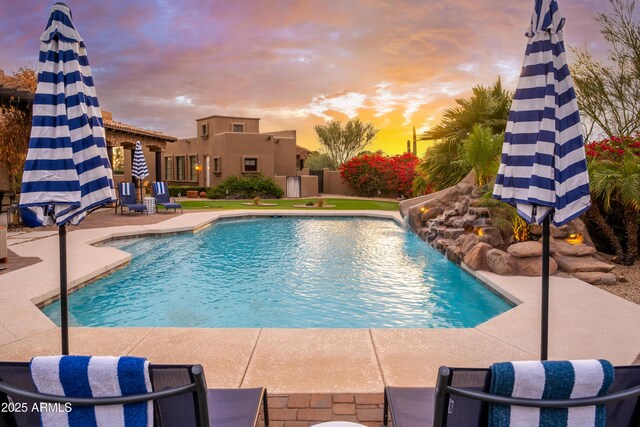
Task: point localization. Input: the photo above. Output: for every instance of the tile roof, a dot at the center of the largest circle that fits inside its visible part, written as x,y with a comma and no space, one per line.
123,127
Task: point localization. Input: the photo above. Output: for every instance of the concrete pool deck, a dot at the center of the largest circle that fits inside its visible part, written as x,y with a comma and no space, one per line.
585,322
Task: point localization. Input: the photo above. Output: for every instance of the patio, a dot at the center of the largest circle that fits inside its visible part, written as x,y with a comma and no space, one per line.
586,322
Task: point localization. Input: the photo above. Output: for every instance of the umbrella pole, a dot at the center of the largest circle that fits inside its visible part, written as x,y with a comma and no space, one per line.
64,320
544,335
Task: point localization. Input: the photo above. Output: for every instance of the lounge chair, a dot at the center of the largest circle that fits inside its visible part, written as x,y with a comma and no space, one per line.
461,398
127,199
180,398
160,191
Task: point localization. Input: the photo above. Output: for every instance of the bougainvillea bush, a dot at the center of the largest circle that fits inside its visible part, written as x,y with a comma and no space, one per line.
613,148
374,174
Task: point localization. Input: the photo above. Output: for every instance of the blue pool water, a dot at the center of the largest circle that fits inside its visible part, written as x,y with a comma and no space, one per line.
288,273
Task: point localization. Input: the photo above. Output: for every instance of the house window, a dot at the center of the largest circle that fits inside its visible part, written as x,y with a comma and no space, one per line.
249,164
180,168
237,127
204,130
193,161
168,168
216,165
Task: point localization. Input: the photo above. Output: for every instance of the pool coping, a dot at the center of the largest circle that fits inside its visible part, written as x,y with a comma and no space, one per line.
594,324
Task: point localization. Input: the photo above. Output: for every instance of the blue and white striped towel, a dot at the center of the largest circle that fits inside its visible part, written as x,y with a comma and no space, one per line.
550,380
126,189
94,376
160,187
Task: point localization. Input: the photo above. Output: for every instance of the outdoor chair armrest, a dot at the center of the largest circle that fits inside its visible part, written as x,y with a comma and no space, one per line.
96,401
545,403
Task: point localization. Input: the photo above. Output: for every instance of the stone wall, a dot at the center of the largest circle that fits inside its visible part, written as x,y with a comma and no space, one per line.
452,222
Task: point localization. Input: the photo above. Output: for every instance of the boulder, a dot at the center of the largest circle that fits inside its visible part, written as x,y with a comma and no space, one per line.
450,220
494,236
442,244
469,219
564,248
559,232
481,212
476,257
453,233
596,278
458,223
464,188
574,264
532,266
468,241
430,213
453,253
501,263
462,206
525,249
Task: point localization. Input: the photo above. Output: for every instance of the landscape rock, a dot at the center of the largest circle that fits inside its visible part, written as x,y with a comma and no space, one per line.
564,248
501,263
596,278
468,241
476,257
493,235
430,213
574,264
532,266
525,249
443,244
453,233
559,232
458,223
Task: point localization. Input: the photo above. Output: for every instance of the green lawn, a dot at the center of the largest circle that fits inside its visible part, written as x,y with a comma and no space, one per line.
348,204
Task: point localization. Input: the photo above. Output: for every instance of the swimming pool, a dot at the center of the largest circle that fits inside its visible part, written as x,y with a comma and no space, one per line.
285,272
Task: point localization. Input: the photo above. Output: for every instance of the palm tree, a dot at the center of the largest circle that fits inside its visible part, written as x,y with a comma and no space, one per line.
481,150
488,106
618,183
443,164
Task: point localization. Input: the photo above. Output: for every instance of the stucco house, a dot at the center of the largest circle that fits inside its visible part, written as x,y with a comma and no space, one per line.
226,146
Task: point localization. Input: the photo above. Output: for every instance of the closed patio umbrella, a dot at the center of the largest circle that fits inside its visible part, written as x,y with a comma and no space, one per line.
543,170
67,172
139,166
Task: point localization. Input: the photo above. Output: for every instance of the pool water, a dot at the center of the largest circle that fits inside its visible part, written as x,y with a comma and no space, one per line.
285,273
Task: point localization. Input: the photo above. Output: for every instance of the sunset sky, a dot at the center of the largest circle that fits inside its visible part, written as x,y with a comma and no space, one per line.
397,63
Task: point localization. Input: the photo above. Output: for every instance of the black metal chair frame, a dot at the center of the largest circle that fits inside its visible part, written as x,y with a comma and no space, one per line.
123,205
198,388
443,392
163,201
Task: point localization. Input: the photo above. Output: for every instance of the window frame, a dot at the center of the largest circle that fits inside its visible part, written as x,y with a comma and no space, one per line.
204,130
244,164
193,173
184,167
216,160
168,168
234,124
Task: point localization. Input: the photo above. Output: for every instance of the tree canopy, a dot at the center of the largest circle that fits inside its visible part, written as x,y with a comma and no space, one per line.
342,143
609,91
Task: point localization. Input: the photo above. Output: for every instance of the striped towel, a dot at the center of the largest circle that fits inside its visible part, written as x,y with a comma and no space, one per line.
126,189
550,380
160,187
91,376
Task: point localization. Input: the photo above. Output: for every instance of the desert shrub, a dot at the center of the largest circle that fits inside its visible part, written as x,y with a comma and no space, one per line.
246,187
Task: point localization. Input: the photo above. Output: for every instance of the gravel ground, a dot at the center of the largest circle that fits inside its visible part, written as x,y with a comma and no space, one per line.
628,285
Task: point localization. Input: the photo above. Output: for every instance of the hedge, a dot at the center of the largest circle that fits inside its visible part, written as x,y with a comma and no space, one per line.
236,187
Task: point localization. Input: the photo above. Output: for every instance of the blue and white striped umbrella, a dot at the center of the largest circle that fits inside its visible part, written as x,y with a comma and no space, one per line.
139,165
543,168
67,172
